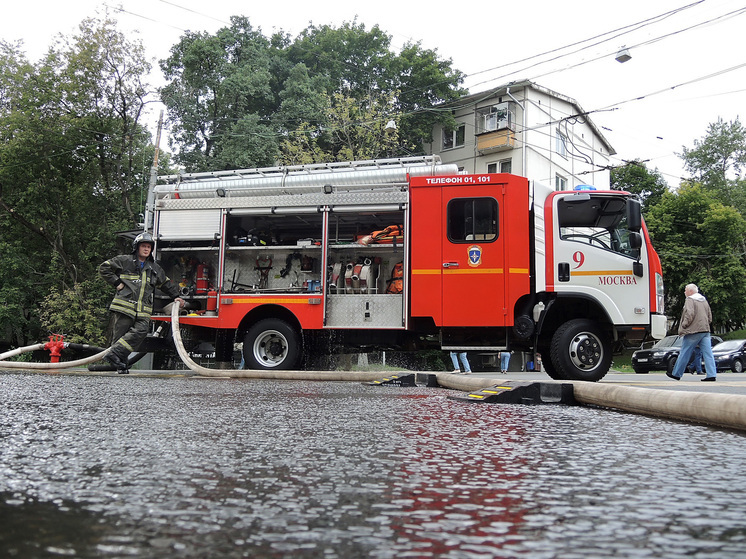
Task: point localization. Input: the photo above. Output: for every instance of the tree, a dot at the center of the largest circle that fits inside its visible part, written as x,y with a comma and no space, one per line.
219,97
423,81
701,241
73,160
359,63
718,160
239,99
636,178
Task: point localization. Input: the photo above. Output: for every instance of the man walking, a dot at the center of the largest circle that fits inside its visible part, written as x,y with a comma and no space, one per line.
695,328
136,277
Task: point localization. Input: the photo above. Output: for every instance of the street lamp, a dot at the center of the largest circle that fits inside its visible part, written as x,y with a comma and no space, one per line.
623,55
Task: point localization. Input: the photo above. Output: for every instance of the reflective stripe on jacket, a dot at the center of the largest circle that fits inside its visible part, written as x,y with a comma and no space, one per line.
137,296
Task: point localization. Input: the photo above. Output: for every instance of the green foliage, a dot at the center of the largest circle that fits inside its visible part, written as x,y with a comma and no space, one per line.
636,178
358,128
78,312
239,99
701,241
73,162
220,91
718,161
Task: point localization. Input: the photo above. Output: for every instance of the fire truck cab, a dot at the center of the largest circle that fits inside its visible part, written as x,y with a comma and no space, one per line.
406,254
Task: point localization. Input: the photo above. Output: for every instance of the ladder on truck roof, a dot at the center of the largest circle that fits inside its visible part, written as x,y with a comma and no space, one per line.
298,179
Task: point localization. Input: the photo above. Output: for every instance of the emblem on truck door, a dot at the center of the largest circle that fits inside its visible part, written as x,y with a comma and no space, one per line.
475,255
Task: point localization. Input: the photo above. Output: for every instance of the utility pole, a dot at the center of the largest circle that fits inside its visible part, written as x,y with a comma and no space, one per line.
150,202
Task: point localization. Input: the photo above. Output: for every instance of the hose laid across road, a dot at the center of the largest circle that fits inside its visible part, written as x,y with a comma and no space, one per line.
722,410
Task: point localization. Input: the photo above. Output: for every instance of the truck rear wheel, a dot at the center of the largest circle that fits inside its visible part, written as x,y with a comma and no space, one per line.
580,351
271,344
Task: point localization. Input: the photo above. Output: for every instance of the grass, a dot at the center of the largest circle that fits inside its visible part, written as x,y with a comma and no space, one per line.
623,362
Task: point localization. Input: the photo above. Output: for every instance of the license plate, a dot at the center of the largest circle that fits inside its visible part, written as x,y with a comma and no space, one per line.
643,360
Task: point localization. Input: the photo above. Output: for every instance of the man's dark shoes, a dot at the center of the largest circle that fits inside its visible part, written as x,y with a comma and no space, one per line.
114,360
709,379
670,375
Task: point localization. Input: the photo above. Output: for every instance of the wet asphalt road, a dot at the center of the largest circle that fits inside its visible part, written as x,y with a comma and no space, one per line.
161,466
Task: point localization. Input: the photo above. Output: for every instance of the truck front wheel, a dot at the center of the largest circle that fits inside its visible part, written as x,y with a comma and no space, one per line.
271,344
580,351
547,364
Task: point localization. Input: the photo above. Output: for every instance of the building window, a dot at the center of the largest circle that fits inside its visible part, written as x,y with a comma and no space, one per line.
560,182
454,138
561,144
495,117
472,219
504,166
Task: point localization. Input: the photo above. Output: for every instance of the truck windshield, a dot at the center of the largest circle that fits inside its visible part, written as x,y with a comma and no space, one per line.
599,221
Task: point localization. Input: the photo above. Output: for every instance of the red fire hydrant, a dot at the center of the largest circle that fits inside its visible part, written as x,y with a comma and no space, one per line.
55,346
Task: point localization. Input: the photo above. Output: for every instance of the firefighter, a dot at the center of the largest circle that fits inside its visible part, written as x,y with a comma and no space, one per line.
135,277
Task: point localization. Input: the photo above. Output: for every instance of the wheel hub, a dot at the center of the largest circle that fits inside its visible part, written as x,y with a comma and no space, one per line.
586,351
270,349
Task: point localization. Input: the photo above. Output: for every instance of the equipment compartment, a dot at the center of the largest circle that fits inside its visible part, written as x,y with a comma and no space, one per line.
364,311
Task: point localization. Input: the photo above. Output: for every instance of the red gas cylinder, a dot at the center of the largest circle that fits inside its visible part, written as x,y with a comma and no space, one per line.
203,274
212,301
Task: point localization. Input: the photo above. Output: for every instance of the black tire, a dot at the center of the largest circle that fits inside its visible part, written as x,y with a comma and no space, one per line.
272,344
671,363
548,366
737,366
580,351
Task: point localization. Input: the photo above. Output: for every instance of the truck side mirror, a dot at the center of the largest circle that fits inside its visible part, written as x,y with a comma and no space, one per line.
635,242
634,215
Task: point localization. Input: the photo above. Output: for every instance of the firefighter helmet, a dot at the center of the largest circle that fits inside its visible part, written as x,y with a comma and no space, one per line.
143,237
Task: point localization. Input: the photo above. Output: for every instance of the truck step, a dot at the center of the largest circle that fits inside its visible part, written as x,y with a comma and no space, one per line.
518,392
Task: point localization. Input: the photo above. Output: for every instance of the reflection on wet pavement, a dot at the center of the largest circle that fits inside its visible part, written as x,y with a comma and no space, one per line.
149,467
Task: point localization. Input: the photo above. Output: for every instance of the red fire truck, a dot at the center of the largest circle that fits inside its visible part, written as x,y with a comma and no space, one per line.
407,254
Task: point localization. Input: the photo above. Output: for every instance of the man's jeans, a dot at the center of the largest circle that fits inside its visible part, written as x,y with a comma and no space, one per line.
691,341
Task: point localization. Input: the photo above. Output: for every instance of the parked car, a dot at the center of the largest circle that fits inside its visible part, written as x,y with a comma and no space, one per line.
731,354
662,356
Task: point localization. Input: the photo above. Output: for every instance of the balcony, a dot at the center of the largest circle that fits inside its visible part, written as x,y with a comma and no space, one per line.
499,140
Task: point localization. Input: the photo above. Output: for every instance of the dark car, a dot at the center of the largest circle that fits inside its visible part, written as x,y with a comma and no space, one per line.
662,356
730,354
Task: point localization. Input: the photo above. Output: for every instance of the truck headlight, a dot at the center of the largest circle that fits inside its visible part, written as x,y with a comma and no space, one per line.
659,293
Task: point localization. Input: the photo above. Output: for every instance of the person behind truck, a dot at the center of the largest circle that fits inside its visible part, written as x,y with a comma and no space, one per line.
455,356
135,277
504,361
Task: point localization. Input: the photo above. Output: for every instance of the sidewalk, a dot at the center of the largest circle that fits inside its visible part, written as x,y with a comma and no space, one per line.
727,382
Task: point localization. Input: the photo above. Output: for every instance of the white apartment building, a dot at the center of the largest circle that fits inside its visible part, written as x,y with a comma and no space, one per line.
528,130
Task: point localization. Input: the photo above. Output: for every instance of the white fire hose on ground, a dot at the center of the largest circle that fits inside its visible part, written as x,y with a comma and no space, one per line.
45,366
360,376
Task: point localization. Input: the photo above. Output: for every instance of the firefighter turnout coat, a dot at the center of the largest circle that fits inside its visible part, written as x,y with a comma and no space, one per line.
136,298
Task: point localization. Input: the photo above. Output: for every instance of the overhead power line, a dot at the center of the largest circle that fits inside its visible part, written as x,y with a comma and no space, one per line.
195,12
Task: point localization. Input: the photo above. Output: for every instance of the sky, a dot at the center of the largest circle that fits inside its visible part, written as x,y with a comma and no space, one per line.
687,68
